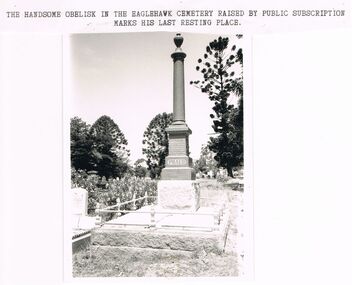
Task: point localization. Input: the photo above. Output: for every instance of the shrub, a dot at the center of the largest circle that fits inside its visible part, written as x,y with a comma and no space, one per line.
105,192
222,178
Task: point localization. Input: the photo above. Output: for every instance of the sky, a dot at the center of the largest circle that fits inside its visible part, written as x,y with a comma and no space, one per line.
129,77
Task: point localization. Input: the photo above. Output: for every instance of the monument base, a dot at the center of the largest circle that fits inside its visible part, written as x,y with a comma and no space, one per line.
178,194
180,173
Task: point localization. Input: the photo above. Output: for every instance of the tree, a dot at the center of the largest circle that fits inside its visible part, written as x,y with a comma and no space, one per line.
155,143
81,145
140,169
206,161
109,148
220,82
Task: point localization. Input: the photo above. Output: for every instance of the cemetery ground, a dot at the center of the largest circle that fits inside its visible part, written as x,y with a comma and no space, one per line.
158,263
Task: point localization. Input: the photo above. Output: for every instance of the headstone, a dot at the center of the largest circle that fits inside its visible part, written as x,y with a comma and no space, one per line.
79,201
79,204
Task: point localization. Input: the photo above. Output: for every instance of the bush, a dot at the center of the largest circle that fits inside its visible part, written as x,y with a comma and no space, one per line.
222,178
105,192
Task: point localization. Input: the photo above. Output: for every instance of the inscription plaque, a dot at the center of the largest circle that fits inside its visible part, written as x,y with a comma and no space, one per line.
176,162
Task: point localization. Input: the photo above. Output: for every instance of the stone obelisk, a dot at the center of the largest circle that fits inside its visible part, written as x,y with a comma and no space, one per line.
177,188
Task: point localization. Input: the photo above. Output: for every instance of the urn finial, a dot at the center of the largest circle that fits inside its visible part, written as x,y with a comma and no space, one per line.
178,40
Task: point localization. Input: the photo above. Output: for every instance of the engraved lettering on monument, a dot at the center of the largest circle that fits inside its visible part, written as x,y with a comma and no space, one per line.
176,161
177,146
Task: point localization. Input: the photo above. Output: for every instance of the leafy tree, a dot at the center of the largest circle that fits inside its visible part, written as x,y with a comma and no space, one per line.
155,143
206,161
81,145
109,148
139,168
220,82
200,165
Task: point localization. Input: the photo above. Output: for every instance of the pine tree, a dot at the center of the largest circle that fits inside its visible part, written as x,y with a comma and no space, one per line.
155,143
109,148
220,82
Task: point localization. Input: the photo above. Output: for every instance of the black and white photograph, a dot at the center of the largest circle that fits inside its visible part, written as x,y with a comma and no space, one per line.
179,142
156,152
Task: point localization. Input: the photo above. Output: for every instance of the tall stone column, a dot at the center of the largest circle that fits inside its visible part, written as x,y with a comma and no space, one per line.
177,189
178,163
179,82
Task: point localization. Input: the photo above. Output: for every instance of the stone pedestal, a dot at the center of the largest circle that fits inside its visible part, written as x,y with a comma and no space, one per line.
178,164
178,195
177,189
